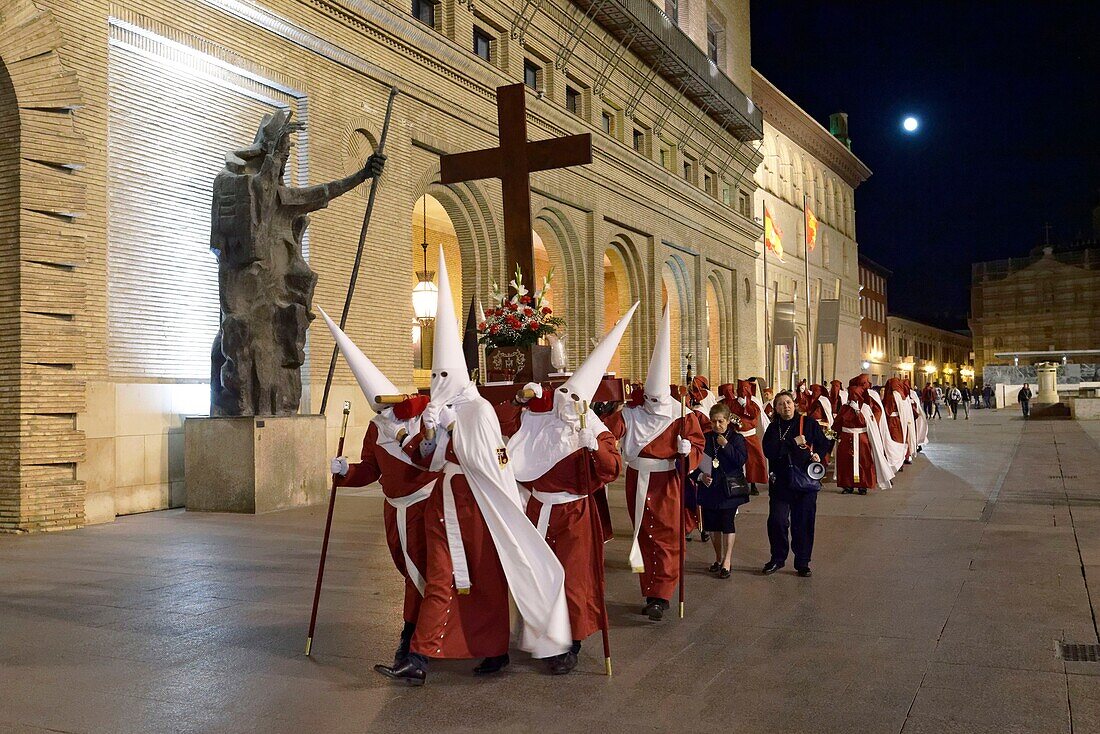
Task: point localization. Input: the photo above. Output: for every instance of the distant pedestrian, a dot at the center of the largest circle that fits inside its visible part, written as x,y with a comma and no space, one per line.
926,400
966,397
1024,398
953,399
987,395
722,487
791,444
937,401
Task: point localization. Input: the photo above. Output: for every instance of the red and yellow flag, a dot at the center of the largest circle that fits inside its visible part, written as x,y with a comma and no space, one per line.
772,236
811,229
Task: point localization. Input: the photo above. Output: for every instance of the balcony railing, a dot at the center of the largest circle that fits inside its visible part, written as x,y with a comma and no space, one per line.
663,46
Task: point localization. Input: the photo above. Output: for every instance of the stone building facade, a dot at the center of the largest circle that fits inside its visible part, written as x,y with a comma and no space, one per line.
803,159
116,117
926,353
1046,302
874,334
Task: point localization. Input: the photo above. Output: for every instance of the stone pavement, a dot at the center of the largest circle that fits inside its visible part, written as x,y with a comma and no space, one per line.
935,607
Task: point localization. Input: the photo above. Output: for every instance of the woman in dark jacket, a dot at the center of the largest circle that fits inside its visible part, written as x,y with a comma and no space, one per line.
725,453
791,443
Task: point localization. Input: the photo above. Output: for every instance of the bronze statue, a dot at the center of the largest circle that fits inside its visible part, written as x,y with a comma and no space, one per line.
265,285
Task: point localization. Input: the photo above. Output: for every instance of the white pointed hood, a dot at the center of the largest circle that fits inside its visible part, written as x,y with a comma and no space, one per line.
450,375
659,377
587,377
371,380
659,409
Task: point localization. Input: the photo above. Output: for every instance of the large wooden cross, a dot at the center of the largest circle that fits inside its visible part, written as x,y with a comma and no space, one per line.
512,161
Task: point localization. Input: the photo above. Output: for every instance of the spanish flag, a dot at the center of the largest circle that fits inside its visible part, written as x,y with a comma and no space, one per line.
772,235
811,229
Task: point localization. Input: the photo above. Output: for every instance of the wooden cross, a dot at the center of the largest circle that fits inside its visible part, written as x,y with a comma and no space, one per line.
512,161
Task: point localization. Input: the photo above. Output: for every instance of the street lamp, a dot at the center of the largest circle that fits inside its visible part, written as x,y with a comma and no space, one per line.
425,295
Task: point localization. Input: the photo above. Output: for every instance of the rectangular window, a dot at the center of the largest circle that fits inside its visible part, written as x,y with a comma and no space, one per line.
573,100
743,206
672,10
726,194
532,73
712,44
424,11
607,122
639,141
689,169
483,44
666,158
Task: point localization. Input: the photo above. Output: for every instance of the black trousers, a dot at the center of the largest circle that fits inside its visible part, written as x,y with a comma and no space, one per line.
791,515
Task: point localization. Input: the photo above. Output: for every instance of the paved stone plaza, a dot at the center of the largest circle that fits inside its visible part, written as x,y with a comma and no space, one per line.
934,607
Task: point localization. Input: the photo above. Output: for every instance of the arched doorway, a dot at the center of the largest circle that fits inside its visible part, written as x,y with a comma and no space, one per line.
715,330
432,225
670,294
619,294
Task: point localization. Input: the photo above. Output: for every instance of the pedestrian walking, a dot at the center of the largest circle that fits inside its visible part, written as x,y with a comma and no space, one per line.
722,487
953,399
791,444
966,398
987,395
926,400
937,401
1024,398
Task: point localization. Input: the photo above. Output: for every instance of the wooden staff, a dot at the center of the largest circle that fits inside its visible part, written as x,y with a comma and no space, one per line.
597,546
358,254
683,520
328,526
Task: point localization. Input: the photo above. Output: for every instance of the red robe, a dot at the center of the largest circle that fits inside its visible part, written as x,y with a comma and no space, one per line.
850,418
756,466
398,479
453,625
660,536
570,532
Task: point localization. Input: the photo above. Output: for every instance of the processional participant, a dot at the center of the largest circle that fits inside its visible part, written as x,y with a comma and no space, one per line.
878,413
920,420
653,436
838,396
700,399
860,455
750,422
564,456
388,458
480,546
899,421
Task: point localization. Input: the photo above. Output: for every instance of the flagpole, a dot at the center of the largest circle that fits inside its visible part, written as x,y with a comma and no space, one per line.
806,253
767,342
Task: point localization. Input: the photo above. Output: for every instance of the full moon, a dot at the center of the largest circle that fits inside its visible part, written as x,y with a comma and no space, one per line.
910,124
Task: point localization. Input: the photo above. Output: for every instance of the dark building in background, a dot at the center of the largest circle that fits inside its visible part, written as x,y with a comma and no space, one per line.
874,347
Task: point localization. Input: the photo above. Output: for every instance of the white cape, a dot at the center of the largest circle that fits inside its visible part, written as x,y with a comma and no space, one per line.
535,577
543,440
919,418
884,473
908,422
642,427
895,452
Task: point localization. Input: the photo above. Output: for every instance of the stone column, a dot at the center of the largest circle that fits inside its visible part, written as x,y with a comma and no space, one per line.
1048,382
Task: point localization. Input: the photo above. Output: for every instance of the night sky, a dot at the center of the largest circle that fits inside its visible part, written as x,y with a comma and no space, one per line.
1008,96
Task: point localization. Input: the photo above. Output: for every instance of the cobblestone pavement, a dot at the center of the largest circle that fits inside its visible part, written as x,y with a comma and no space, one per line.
934,607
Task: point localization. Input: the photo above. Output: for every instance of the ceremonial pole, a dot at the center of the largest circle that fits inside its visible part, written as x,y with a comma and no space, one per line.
683,520
767,339
597,545
328,526
810,347
358,257
332,368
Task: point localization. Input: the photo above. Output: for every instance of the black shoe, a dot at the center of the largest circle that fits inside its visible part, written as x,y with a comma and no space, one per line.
846,490
655,609
408,672
704,536
805,572
563,664
771,567
862,490
715,567
688,537
753,490
495,664
401,654
724,573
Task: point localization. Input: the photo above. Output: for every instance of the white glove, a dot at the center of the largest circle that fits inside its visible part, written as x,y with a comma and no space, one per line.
339,466
587,439
447,417
430,418
683,446
534,387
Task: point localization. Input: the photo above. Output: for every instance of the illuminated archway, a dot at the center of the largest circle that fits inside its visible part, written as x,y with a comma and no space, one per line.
715,342
675,292
621,290
440,230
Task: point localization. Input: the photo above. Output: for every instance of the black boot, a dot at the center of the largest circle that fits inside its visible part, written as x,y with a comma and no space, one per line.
492,665
413,671
564,663
655,608
847,490
402,651
753,489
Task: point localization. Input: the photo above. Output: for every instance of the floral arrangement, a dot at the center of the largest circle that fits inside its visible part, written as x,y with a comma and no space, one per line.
520,320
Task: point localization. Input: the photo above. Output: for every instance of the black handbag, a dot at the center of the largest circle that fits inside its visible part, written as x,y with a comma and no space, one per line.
736,487
797,478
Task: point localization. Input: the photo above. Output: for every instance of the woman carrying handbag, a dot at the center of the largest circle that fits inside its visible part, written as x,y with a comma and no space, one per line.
722,487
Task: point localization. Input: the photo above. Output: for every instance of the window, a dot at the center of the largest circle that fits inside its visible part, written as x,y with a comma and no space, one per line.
726,194
712,45
607,122
639,141
573,100
532,74
483,44
666,158
689,169
672,10
743,206
424,11
709,184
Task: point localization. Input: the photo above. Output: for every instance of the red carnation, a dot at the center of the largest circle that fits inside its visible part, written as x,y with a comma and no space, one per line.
525,299
528,312
494,329
512,307
533,326
546,310
482,326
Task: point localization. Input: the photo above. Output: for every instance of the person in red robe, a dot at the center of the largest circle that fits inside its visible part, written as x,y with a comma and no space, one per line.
565,462
700,400
858,458
751,423
898,415
877,420
387,457
655,439
838,396
481,549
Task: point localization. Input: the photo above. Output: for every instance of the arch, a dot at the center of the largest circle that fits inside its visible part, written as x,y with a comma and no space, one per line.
786,172
677,293
44,197
439,230
622,287
561,247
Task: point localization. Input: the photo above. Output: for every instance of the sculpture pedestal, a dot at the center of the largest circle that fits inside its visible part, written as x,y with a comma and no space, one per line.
1047,373
255,464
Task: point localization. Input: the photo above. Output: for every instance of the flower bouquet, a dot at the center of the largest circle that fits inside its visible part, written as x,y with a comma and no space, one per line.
512,329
